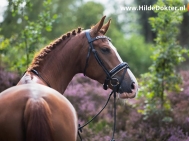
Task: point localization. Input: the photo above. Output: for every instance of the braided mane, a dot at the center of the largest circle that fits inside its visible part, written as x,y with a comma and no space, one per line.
39,57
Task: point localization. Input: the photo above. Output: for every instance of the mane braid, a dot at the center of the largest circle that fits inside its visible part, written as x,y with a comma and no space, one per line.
40,56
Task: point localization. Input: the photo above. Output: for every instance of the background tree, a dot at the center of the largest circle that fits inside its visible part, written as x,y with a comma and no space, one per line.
168,54
18,50
146,27
13,23
85,11
143,19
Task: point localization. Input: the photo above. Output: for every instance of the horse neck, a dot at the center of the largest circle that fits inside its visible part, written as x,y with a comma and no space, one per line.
62,63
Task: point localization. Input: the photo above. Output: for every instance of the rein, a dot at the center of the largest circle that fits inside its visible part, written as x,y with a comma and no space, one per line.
110,77
114,126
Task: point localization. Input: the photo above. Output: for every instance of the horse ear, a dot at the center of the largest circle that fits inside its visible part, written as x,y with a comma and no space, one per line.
105,27
98,26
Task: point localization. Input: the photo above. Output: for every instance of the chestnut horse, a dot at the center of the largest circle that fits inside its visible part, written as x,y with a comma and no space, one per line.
36,110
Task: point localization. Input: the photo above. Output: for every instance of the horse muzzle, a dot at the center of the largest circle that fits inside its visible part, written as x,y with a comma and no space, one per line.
129,86
132,94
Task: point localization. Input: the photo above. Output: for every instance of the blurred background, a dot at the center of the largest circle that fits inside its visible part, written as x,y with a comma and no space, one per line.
154,43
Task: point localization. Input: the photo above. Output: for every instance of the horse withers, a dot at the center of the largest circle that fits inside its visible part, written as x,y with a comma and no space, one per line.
36,110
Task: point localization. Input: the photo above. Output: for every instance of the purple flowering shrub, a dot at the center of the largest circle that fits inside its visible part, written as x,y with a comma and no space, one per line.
180,104
7,79
88,97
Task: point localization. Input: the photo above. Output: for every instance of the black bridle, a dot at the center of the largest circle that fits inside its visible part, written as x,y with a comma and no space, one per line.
109,78
109,74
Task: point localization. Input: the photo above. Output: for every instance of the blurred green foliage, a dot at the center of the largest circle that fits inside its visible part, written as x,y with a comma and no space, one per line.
167,55
18,50
137,53
86,16
29,25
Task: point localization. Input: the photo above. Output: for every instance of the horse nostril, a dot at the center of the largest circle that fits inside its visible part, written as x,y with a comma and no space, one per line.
132,85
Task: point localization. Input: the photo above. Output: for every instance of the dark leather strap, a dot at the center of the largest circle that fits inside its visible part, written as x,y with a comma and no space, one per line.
109,74
118,68
87,60
91,48
37,73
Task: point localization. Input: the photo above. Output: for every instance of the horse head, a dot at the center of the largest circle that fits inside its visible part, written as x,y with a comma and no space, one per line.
104,64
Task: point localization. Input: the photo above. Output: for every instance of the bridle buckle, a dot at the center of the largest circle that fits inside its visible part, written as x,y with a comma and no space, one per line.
114,82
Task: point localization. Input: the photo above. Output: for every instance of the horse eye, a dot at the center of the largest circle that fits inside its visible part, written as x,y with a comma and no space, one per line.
105,50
